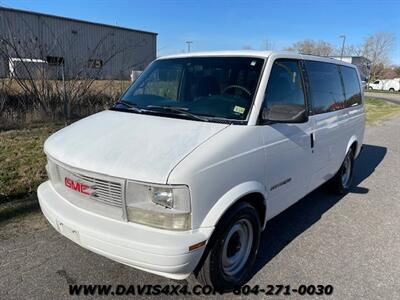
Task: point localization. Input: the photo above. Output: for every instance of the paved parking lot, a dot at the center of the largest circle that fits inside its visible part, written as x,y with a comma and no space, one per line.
351,242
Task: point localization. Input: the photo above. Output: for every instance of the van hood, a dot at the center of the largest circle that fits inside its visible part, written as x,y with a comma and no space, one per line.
129,145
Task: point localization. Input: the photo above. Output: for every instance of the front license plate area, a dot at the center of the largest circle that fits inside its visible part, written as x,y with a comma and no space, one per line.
69,232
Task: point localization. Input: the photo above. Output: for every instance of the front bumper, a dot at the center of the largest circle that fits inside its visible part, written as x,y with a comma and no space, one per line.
157,251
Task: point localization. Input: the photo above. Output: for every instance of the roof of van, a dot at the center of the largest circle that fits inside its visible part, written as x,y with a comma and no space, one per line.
259,54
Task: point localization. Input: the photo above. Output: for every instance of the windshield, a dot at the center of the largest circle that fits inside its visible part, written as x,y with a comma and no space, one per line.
206,88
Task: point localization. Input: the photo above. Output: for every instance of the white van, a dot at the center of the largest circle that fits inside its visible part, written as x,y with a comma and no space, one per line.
391,85
183,173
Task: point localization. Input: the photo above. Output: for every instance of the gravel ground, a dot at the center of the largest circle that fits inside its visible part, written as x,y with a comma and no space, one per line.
351,242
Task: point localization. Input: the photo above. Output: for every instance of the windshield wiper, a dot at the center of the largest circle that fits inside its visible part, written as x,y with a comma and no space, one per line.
157,109
167,107
184,111
129,106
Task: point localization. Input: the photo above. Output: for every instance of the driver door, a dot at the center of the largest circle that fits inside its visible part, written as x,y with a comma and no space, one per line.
287,145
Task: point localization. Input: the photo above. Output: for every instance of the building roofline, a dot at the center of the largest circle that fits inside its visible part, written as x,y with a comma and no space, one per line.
75,20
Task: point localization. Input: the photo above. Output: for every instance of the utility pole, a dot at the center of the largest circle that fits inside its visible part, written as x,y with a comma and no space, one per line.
188,45
344,40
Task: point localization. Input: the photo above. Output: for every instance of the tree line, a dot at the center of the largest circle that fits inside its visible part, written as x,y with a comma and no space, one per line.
377,47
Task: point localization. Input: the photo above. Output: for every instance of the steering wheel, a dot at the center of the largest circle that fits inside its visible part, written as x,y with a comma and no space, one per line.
235,86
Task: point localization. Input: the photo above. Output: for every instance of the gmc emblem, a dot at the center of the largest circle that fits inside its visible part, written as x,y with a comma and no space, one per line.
77,186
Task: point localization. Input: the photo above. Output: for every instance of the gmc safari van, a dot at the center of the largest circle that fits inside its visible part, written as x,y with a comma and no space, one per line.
182,174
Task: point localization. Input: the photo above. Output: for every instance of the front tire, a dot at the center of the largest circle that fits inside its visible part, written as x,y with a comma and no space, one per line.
232,250
341,182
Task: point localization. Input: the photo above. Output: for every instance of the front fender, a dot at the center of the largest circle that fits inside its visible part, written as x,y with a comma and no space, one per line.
229,198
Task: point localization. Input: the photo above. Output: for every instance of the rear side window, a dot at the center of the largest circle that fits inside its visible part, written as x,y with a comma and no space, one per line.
352,87
326,87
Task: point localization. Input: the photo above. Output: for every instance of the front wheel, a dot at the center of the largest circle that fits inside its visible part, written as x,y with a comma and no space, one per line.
232,250
341,182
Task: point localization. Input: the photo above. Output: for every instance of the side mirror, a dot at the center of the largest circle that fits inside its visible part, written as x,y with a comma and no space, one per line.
284,113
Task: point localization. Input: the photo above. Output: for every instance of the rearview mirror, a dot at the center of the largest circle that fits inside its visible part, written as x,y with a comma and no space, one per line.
284,113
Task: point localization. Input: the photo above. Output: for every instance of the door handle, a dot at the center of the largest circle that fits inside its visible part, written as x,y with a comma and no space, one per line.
312,140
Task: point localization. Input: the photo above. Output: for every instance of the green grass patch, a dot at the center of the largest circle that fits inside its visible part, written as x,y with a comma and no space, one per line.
378,110
22,161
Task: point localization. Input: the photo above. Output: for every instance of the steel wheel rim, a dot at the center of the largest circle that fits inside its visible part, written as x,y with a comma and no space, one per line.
237,247
346,171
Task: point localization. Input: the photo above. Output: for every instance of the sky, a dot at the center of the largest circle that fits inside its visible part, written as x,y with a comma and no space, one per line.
234,24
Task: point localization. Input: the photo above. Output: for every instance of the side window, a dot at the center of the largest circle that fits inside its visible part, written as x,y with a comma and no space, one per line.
284,96
352,87
326,88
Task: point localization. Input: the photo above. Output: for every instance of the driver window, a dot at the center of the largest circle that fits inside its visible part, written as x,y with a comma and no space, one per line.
284,96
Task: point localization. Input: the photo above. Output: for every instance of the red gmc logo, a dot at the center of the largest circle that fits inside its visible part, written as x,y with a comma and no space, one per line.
77,186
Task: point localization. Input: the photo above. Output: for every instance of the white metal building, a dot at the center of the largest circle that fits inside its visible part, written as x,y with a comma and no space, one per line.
83,49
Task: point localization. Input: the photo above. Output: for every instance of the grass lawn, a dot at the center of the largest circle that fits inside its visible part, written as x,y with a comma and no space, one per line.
381,91
22,169
378,110
22,162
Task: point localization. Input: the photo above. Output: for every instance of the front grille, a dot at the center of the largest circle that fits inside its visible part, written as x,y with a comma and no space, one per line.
105,191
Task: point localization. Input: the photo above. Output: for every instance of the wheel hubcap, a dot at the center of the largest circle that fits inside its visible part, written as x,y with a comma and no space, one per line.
346,171
237,247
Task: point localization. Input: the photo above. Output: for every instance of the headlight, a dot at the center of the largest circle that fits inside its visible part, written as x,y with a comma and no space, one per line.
163,196
161,206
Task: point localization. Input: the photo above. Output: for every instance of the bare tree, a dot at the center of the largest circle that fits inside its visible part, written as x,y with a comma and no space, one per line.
377,48
41,82
5,87
397,70
309,46
349,50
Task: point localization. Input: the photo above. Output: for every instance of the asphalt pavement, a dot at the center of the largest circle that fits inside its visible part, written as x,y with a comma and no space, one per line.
350,242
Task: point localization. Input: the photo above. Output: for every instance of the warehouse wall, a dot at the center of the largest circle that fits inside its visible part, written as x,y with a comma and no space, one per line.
3,67
37,36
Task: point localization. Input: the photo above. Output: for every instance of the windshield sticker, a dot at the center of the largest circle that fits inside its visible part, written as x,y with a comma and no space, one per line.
253,63
239,109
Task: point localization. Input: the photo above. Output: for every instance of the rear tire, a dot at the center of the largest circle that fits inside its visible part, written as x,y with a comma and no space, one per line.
391,90
231,252
341,183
